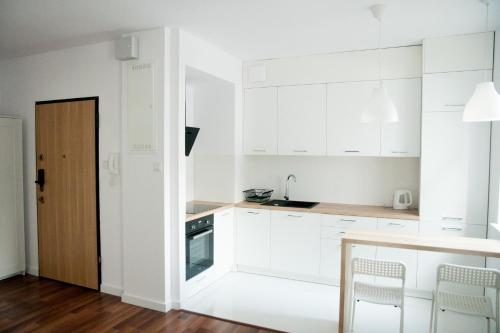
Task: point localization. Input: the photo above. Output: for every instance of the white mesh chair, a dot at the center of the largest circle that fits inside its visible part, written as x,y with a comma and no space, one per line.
479,306
378,294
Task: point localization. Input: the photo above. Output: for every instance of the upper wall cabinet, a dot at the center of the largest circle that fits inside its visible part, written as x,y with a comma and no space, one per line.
458,53
301,120
261,121
450,91
346,134
401,62
403,138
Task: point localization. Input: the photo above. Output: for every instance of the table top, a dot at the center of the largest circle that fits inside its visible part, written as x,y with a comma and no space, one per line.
460,245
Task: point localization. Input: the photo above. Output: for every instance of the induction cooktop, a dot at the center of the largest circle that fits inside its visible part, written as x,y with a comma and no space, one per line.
196,208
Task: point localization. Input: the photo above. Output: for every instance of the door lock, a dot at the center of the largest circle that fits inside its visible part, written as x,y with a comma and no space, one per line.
40,179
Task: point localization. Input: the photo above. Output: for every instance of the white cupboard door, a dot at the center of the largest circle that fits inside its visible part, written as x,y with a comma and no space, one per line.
408,257
346,134
302,114
454,168
428,262
450,91
295,241
403,137
253,242
11,198
261,121
224,240
458,53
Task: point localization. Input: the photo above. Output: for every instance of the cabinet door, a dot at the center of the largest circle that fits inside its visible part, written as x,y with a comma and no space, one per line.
253,230
458,53
450,91
403,137
302,114
295,242
408,257
429,261
454,168
261,121
346,134
224,240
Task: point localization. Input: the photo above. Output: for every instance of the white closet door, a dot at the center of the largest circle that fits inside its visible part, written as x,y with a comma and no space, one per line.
11,198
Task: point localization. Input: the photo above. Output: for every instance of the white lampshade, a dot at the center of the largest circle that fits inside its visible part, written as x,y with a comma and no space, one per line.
484,105
380,108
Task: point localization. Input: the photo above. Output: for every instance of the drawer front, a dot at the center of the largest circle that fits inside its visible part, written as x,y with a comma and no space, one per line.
398,226
349,222
333,232
451,229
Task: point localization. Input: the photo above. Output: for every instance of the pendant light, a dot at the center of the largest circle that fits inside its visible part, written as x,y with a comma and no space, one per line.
380,107
484,105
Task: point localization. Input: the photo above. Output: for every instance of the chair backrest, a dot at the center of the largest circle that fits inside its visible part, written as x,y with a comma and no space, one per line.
474,276
389,269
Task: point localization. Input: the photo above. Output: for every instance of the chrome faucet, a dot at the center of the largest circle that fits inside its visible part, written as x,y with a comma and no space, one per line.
287,189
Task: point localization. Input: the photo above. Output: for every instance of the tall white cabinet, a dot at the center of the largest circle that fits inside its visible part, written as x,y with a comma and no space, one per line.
12,259
455,155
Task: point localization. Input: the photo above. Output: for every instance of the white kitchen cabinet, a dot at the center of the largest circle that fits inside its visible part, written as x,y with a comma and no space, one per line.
408,257
458,53
450,91
261,121
346,134
253,237
224,241
295,246
12,260
429,261
403,137
454,168
302,114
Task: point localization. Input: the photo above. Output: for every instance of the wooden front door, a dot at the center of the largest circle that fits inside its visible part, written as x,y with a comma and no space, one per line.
66,140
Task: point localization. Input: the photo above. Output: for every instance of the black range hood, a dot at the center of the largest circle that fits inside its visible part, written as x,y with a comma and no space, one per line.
191,134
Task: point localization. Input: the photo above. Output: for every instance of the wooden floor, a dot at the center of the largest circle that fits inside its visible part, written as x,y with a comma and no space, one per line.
32,304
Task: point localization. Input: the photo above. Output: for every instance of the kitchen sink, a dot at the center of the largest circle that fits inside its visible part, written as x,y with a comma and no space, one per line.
290,203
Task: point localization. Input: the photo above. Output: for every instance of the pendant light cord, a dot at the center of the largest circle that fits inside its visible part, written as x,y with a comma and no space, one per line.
380,51
487,4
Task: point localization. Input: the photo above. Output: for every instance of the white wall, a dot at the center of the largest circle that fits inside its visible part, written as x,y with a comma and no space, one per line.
190,51
350,180
146,222
77,72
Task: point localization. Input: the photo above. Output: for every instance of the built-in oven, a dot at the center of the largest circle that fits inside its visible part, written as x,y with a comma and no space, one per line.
199,245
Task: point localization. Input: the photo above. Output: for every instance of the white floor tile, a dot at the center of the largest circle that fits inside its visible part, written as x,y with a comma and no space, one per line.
296,306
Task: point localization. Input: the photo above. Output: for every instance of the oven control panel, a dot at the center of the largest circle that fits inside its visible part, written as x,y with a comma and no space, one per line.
200,223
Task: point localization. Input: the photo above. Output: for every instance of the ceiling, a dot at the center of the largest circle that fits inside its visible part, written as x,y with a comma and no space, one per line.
248,29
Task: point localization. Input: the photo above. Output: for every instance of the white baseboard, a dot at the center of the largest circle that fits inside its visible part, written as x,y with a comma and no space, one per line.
146,303
32,270
111,289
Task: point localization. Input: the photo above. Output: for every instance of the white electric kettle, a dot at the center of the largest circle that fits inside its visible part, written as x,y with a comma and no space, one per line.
402,199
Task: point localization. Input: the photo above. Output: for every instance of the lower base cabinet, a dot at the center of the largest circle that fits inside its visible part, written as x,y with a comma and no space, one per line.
253,238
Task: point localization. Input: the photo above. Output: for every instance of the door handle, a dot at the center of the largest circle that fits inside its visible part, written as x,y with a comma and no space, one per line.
40,179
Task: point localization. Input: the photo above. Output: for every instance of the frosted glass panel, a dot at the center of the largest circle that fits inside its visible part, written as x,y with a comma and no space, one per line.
141,124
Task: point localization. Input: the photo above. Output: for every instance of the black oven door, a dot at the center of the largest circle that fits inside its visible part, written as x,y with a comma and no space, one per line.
199,251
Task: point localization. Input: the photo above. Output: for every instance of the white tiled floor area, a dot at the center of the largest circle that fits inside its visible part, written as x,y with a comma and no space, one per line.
295,306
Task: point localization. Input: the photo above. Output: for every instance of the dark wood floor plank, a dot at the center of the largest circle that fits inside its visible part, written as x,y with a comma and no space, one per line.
32,304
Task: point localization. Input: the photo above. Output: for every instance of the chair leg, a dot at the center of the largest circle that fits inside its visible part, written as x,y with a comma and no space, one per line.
436,312
353,310
401,319
432,315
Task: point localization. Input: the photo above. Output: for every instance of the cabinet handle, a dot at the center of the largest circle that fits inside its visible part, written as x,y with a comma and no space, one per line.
450,218
341,232
451,229
351,151
253,213
300,151
347,220
259,150
454,105
298,216
399,152
392,224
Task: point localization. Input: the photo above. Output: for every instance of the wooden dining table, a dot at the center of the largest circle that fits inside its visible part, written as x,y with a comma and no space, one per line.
457,245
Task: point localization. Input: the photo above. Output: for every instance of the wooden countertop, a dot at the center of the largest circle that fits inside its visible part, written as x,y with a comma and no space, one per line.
344,209
222,206
461,245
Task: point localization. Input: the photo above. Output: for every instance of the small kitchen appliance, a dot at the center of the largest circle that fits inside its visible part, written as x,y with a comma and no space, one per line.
402,199
199,245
